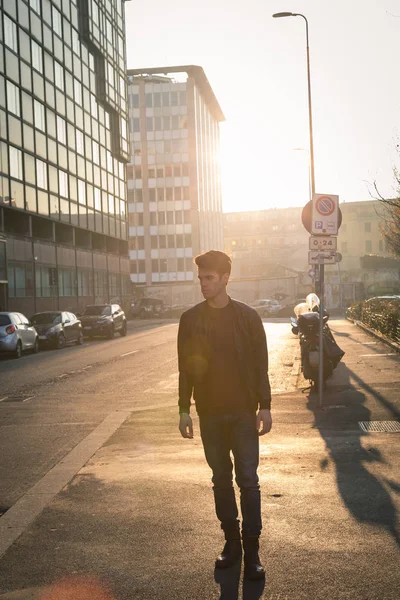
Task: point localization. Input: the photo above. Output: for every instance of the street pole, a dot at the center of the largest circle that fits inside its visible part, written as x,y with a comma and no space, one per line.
312,173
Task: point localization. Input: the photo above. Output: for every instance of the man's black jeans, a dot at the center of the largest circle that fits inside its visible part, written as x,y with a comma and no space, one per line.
236,433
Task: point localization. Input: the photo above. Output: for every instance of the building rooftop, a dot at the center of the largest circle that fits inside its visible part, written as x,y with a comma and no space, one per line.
200,79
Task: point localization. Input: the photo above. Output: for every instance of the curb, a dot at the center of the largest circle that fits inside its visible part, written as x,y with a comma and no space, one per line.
376,334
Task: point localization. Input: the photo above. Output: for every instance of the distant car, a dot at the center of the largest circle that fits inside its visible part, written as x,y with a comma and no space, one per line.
17,334
146,308
267,307
58,328
386,299
103,320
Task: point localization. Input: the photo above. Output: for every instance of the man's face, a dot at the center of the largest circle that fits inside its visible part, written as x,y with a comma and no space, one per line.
212,284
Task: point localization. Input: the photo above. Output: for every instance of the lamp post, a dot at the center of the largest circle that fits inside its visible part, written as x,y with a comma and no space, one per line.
290,14
312,173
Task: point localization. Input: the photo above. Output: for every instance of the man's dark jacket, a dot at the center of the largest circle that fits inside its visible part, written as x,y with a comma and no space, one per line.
195,354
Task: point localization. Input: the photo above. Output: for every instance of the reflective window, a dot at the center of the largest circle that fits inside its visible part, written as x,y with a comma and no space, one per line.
39,120
81,191
35,5
41,174
61,130
15,163
10,34
57,27
37,56
63,183
30,171
78,92
13,99
59,75
79,142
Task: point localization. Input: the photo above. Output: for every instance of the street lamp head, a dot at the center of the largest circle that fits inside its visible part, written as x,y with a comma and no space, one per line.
283,14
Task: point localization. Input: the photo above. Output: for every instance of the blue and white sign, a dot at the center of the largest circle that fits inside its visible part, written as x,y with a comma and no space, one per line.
325,213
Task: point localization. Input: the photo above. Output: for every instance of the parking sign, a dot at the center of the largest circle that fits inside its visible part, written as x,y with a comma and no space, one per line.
325,211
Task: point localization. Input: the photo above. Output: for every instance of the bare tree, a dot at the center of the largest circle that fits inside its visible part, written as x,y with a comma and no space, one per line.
391,214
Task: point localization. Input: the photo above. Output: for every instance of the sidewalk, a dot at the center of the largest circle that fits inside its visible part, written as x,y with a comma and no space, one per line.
139,515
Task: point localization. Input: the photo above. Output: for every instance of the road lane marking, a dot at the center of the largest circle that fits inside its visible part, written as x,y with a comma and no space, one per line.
18,518
128,353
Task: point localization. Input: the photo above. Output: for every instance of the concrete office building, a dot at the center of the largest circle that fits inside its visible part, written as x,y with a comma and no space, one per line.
64,145
174,190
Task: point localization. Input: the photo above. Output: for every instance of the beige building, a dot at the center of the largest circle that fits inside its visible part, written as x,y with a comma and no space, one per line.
265,244
174,189
258,241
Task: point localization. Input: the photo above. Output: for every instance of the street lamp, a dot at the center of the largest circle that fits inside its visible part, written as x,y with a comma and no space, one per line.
321,266
290,14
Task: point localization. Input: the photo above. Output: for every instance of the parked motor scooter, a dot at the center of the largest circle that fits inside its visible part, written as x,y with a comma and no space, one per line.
306,325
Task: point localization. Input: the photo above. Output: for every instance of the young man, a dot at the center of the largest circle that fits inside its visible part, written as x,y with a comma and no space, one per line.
223,360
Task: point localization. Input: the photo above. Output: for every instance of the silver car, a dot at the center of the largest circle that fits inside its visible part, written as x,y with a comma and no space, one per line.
17,334
267,307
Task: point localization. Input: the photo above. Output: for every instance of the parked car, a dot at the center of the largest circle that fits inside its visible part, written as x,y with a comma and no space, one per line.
58,328
103,320
146,308
17,334
267,307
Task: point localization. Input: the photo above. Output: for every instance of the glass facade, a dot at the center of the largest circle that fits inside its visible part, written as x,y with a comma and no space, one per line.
63,126
173,179
63,112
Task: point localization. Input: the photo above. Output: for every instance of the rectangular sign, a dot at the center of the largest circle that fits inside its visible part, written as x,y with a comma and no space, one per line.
321,257
323,242
325,214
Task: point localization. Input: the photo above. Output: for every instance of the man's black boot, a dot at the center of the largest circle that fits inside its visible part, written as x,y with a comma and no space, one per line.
230,554
253,568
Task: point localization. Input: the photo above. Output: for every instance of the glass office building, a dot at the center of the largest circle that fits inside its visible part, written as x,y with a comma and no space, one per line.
63,148
174,191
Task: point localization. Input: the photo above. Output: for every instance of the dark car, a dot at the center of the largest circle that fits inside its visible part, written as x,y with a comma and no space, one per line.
145,308
103,320
57,328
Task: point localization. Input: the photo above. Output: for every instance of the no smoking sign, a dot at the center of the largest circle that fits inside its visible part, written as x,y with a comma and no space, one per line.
325,210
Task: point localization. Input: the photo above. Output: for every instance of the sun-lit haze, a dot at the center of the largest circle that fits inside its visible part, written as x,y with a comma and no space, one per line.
256,66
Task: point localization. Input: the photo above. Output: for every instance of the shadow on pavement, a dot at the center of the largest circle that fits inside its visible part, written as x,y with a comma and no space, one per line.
229,580
363,494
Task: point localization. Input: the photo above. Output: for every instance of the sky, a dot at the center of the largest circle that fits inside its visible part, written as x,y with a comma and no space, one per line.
256,66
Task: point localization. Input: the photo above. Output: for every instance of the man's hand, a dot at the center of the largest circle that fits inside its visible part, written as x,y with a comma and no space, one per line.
264,417
186,426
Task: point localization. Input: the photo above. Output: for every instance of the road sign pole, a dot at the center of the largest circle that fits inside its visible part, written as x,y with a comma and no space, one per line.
321,331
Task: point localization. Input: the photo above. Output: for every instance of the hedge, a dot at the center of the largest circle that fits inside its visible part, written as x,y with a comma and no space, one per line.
381,315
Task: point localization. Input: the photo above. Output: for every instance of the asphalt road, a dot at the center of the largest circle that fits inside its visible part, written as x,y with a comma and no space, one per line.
96,480
70,391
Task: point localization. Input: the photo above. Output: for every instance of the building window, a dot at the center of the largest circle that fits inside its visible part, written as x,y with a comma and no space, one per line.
37,57
13,99
59,75
35,5
61,130
57,27
81,192
85,285
367,227
15,163
39,116
66,282
20,280
368,246
79,143
63,183
41,174
10,34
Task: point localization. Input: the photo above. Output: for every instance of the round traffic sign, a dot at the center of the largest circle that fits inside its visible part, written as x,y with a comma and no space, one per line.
306,216
325,206
311,273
